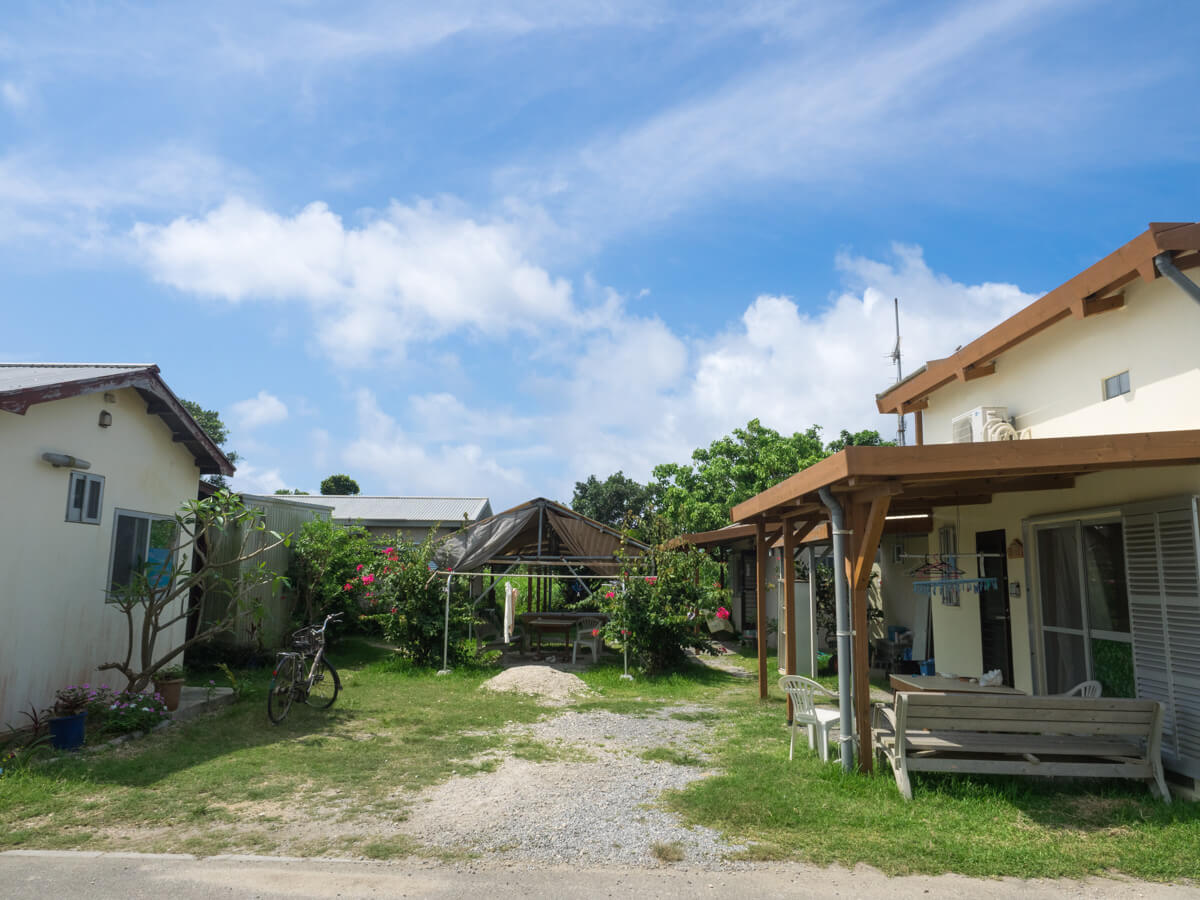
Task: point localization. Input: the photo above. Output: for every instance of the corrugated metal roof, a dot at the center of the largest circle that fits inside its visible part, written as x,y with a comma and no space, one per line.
18,376
396,510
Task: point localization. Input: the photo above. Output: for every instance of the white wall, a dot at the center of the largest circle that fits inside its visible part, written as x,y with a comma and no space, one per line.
1052,383
956,628
56,627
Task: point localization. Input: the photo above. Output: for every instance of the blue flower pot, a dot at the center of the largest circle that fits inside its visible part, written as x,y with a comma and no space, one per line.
66,732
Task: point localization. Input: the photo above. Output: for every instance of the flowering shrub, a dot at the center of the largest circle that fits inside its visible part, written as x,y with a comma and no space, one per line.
327,564
408,600
657,617
135,711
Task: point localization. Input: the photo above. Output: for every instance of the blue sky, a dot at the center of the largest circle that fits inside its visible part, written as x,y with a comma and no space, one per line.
489,249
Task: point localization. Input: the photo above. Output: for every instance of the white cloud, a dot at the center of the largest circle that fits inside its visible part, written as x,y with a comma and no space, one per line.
261,409
413,273
77,203
255,480
793,369
404,464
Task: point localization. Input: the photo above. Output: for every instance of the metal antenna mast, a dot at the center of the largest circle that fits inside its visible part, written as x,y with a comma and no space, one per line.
900,427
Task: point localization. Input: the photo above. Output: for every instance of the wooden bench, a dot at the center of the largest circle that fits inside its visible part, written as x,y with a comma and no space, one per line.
1006,734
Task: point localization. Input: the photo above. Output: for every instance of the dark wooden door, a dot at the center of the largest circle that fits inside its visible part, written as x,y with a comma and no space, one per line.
749,591
995,629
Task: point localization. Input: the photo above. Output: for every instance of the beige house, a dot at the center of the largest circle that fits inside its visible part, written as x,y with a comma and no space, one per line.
1058,466
91,457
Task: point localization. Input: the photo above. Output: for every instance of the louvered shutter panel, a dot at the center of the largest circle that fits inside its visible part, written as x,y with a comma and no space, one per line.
1164,609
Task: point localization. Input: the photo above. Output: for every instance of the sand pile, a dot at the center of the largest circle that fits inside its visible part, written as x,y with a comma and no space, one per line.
540,681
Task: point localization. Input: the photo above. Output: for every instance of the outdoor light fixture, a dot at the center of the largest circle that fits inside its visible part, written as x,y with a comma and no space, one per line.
66,461
105,418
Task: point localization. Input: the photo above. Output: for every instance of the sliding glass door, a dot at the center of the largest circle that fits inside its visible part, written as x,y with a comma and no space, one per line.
1084,606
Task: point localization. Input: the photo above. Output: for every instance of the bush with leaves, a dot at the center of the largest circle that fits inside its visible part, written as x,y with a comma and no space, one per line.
326,558
409,599
658,616
135,711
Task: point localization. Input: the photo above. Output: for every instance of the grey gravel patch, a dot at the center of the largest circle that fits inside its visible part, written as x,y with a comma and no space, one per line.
596,812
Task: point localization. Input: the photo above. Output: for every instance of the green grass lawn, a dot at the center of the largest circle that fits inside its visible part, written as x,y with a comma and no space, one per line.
333,782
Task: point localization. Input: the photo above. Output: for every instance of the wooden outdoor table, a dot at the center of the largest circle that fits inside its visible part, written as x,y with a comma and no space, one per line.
541,626
946,685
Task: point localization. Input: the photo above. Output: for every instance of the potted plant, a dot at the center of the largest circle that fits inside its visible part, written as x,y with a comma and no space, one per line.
70,717
168,684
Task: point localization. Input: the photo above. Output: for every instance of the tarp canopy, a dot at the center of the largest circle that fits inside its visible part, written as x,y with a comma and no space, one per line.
539,532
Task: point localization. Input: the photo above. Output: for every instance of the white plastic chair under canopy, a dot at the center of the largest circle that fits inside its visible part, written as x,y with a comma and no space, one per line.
819,720
1087,689
584,638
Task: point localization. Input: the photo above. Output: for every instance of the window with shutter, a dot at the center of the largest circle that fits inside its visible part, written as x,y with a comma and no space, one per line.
1164,606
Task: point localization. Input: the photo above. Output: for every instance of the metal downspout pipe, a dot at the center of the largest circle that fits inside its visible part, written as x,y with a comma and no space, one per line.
841,592
1166,267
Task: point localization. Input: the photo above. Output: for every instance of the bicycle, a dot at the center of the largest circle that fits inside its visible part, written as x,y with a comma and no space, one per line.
288,682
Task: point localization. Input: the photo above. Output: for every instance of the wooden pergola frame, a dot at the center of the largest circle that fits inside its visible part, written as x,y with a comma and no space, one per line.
872,483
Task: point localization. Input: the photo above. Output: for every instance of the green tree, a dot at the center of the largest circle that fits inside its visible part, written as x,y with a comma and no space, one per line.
341,485
210,423
699,496
618,501
291,491
865,438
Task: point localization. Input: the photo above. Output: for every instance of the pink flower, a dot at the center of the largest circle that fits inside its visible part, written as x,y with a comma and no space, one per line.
722,613
368,578
595,632
348,587
651,579
609,595
358,568
393,610
387,550
624,632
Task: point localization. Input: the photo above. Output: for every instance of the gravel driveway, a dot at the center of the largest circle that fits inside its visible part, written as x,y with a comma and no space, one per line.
593,812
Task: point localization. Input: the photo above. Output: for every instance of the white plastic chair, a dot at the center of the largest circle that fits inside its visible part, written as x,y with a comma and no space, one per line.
819,720
1088,689
584,638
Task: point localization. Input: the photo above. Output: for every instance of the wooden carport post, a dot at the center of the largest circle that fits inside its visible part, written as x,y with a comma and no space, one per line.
789,604
866,517
760,603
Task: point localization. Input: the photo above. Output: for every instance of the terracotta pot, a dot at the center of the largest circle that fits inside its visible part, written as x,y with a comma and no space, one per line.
169,690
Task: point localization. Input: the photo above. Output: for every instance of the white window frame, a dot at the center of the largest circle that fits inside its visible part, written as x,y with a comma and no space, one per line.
112,553
79,514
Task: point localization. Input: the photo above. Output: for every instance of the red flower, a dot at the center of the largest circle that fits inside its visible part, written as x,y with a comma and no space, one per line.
651,579
609,595
595,632
348,587
358,568
624,632
393,610
722,613
368,578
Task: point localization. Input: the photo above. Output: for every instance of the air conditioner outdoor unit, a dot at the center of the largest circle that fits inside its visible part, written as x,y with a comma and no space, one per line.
972,427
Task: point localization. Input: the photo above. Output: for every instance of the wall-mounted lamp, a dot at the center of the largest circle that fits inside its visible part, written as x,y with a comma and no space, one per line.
105,418
66,461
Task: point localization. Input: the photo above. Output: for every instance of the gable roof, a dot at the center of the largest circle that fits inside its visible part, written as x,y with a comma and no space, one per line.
540,532
394,512
1096,289
23,385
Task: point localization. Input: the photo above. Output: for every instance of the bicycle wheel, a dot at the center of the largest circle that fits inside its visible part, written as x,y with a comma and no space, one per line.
325,687
279,695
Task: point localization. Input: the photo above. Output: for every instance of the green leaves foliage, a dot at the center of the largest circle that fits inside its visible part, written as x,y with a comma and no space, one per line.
339,484
618,501
325,559
658,608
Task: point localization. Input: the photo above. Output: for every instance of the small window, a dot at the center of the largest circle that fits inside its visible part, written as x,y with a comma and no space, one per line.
142,543
84,498
1116,385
